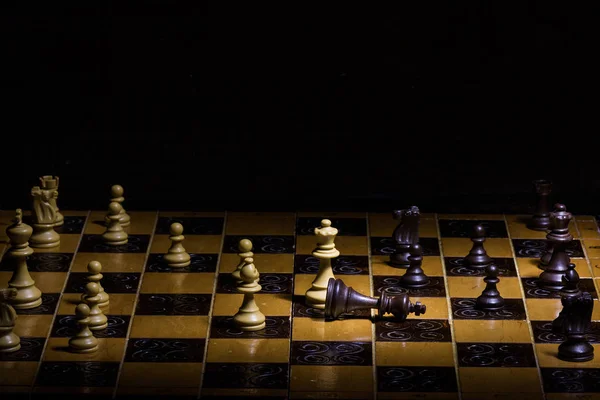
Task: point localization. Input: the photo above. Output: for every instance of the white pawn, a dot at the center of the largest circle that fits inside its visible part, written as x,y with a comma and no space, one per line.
98,320
116,193
325,251
9,341
176,256
245,248
114,234
249,317
95,275
84,340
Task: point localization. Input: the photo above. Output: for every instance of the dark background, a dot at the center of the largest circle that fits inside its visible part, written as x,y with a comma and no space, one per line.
193,106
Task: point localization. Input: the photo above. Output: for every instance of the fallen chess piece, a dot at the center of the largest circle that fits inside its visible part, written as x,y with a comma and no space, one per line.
343,299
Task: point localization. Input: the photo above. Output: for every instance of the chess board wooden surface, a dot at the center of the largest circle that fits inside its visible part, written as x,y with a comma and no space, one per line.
170,333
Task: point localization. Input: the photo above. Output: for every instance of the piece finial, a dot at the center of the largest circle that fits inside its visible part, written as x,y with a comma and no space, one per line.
479,231
114,208
325,223
492,271
82,311
116,191
245,246
176,229
416,250
18,216
560,207
94,267
92,289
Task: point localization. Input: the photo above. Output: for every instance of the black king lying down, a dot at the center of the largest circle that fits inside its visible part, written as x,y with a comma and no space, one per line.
342,299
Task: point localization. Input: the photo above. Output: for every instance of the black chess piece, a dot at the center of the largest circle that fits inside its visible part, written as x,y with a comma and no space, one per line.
552,276
540,221
405,234
414,277
490,298
343,299
545,259
573,321
570,289
477,257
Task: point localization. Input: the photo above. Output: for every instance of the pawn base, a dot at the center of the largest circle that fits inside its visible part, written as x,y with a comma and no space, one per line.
177,260
253,328
84,351
489,303
45,239
575,351
28,305
114,239
412,283
10,343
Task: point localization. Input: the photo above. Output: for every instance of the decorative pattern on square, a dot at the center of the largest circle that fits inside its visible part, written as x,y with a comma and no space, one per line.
246,375
464,228
331,353
87,373
223,327
342,265
173,304
31,350
413,330
533,291
391,285
536,248
454,267
191,225
464,308
112,282
282,244
48,306
571,380
542,333
495,355
382,246
66,326
199,263
300,309
43,262
345,226
271,283
71,224
165,350
95,244
416,379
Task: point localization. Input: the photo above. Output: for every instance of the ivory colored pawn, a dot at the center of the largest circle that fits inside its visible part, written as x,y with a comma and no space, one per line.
9,341
249,317
176,256
95,275
114,235
98,320
116,193
245,248
84,341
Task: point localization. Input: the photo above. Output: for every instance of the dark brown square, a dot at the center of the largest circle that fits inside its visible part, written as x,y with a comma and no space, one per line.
68,373
534,291
464,228
571,380
536,248
261,244
413,330
66,326
345,226
454,267
31,350
382,246
272,283
464,308
542,333
43,262
95,244
300,309
416,379
342,265
48,306
223,327
112,282
331,353
198,263
391,285
495,355
246,375
173,304
165,350
191,225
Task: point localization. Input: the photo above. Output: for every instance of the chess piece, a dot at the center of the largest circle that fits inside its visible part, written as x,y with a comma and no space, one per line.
95,275
176,256
552,276
405,235
245,251
540,221
249,317
114,234
98,320
573,321
545,259
84,340
490,298
44,236
570,282
477,257
9,341
28,295
414,277
325,251
116,193
49,182
343,299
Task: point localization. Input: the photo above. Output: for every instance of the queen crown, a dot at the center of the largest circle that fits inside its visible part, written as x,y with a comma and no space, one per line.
413,211
561,218
326,235
49,182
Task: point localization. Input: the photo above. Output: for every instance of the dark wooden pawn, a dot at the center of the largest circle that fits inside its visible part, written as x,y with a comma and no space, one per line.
343,299
573,321
570,289
552,276
405,234
540,221
490,298
415,277
477,257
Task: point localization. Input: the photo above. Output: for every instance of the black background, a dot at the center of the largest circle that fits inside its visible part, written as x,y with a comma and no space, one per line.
193,106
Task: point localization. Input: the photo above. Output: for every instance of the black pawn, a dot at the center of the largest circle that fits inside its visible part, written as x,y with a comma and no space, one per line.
552,276
415,277
571,281
490,298
540,221
578,319
477,257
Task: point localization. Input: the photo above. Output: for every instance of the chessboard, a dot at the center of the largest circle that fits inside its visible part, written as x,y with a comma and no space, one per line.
170,333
